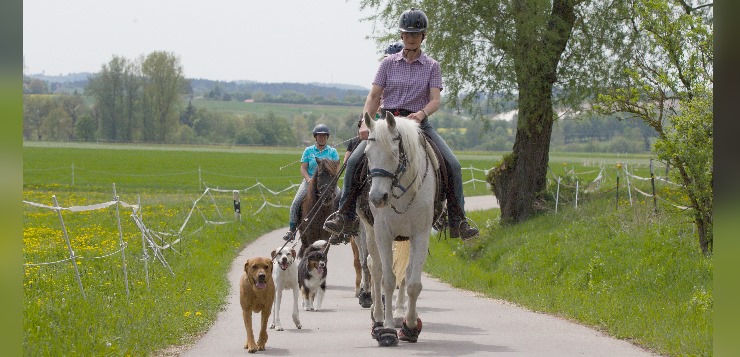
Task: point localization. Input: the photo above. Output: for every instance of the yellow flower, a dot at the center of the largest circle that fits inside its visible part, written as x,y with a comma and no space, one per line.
187,313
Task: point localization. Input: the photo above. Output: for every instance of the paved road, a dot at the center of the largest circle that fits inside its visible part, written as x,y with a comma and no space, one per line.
456,322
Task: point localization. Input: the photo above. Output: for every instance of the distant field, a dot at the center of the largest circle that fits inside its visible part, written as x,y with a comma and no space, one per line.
188,168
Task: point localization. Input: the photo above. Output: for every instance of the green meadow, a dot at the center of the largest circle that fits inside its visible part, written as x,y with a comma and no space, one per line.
623,269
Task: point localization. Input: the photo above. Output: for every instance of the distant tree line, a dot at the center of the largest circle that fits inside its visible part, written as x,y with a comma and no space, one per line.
148,100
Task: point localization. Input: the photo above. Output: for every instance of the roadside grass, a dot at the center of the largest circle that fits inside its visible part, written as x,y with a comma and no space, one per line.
641,277
165,309
636,275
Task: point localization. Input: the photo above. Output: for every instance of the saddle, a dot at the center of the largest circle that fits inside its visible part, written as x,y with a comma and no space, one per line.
444,187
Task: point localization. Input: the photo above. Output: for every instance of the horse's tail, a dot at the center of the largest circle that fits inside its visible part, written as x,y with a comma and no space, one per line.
401,253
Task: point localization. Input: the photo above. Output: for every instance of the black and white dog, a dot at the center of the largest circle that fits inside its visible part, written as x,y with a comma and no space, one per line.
285,276
312,275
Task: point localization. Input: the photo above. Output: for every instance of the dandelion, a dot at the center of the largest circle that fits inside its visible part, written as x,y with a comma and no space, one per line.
197,313
187,313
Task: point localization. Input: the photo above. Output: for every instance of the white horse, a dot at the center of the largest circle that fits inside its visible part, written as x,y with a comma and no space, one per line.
403,171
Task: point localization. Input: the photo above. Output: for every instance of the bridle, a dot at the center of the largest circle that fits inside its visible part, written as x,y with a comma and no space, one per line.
403,162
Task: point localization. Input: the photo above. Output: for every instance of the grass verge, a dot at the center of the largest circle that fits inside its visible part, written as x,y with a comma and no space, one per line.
636,275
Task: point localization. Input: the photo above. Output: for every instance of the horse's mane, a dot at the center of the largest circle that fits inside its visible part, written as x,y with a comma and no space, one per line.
331,165
410,136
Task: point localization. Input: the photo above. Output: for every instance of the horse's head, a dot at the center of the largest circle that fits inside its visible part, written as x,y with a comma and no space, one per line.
387,157
326,171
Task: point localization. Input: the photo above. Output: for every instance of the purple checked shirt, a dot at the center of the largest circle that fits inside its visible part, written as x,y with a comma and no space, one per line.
406,85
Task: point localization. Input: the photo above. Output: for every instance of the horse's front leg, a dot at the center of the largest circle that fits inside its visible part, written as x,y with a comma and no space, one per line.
365,298
419,249
385,248
400,311
375,273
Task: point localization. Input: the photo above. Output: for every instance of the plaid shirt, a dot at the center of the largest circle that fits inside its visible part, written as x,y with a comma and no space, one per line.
406,85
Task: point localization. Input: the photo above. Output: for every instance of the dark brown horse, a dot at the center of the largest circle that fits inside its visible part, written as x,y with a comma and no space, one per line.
315,211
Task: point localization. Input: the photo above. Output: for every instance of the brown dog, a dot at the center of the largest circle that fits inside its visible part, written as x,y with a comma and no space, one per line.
256,293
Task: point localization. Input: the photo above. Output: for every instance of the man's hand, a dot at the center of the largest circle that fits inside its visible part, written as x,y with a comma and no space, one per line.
364,132
418,116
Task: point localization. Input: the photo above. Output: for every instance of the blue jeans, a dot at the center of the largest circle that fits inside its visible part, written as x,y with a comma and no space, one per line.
455,205
295,207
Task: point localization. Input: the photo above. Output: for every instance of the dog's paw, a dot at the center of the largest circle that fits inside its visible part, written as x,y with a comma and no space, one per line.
278,328
250,349
298,325
272,326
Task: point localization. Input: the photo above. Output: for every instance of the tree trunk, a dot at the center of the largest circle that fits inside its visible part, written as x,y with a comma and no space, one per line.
517,185
522,176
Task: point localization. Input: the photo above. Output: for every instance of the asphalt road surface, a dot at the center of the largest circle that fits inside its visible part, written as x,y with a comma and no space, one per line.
456,322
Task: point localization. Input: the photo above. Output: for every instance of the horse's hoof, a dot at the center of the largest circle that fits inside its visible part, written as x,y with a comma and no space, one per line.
409,335
366,299
375,330
387,337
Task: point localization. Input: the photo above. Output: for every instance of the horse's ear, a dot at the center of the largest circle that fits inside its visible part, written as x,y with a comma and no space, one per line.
390,119
368,120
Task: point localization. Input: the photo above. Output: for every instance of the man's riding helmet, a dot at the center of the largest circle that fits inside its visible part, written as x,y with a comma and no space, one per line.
413,20
320,129
394,48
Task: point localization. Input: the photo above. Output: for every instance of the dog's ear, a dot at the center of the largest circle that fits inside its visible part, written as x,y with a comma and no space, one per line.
246,265
273,254
292,252
268,263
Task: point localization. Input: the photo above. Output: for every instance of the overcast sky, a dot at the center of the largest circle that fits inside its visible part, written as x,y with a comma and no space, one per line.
262,40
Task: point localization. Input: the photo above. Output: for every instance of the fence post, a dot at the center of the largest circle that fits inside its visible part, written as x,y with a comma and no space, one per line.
120,240
619,167
652,182
557,195
143,242
69,246
73,174
200,180
237,206
576,193
629,185
472,177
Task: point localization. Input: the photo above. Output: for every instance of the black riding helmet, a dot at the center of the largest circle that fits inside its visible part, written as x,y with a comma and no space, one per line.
413,20
321,129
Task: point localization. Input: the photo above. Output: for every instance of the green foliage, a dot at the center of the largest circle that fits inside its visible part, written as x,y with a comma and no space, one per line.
507,162
667,83
162,76
630,273
688,145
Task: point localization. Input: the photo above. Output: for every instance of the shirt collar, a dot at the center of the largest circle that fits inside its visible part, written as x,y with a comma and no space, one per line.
422,58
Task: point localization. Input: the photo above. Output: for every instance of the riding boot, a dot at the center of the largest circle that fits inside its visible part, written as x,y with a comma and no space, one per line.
459,227
462,230
344,221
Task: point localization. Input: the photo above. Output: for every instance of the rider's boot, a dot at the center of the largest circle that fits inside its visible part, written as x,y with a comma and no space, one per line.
343,221
459,227
290,235
462,230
